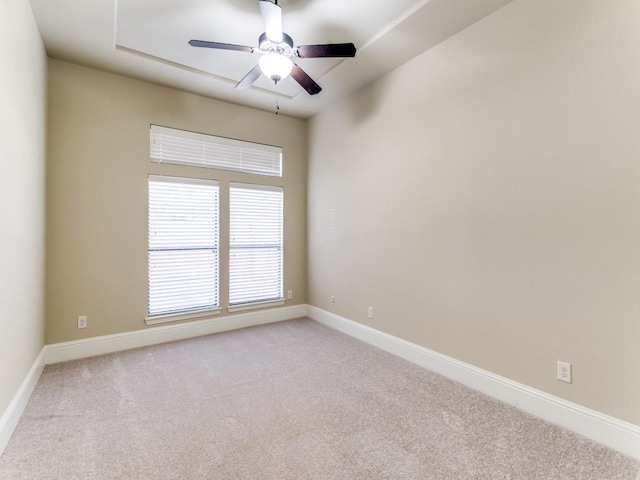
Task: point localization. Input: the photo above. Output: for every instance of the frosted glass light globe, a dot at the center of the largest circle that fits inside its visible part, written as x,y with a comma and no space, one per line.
275,66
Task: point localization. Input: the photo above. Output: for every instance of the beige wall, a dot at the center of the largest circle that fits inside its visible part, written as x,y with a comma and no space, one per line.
97,192
22,184
485,199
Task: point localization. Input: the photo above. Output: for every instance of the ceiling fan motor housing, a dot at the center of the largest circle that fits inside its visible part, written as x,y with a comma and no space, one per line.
283,48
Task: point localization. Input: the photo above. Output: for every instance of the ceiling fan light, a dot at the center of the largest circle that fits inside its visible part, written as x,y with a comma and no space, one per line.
275,66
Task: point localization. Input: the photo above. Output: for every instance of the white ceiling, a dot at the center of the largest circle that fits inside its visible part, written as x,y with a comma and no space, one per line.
147,39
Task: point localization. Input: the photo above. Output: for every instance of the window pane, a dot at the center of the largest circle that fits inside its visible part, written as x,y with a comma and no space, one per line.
183,245
182,280
256,256
180,147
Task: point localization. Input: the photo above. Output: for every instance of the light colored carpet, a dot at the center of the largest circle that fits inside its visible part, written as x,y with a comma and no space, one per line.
292,400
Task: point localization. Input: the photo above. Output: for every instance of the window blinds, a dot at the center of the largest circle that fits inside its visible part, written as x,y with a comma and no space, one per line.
183,245
256,243
180,147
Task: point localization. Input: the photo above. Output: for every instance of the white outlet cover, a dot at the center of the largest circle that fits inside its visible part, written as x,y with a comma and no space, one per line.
564,371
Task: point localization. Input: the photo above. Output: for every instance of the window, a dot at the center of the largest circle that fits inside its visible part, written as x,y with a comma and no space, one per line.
180,147
183,245
184,226
256,241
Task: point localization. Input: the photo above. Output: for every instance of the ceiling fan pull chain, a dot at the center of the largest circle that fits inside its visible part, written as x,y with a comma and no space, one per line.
277,103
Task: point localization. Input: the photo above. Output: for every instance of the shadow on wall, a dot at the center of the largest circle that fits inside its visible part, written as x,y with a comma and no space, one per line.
463,70
369,100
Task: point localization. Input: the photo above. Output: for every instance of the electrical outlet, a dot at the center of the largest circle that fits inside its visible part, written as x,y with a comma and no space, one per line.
289,294
82,321
333,300
370,312
564,371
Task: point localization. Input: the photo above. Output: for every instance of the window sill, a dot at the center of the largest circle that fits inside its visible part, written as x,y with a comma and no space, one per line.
252,306
158,319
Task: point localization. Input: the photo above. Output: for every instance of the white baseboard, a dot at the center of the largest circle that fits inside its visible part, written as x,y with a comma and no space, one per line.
62,352
12,414
612,432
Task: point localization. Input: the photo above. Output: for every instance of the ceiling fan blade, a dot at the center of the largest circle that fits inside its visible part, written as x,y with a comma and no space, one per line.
250,78
272,15
221,46
305,80
328,50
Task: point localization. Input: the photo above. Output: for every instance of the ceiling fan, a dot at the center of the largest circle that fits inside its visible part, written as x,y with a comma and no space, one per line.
278,51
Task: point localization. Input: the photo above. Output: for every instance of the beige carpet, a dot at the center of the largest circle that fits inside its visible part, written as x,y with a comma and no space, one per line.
293,400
